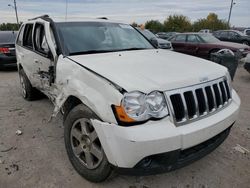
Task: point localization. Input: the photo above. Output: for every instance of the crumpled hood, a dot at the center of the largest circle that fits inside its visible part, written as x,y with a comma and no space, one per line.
154,69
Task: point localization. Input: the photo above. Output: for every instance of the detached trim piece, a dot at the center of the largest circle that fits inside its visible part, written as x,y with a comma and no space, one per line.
119,88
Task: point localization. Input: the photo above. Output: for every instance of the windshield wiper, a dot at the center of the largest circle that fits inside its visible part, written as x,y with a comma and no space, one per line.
104,51
130,49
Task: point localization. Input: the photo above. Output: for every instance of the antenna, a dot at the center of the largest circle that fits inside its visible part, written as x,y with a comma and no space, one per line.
66,10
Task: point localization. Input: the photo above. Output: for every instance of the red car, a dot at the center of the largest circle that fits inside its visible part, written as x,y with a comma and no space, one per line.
203,44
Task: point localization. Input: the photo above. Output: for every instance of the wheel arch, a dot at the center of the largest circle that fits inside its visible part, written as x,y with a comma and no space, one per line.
71,102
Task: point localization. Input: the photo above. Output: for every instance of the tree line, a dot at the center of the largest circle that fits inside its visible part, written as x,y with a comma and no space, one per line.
177,23
181,23
9,27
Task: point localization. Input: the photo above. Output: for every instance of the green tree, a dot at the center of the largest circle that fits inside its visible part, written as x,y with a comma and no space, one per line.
211,22
9,27
154,25
178,23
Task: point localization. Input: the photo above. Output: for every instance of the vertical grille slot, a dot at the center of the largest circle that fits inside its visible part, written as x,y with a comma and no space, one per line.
178,107
210,98
217,95
223,92
227,89
190,101
201,101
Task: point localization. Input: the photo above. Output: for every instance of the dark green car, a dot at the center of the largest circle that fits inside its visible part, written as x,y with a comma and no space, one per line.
232,36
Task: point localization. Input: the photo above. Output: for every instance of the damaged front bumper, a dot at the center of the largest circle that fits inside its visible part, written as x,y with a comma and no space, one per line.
159,145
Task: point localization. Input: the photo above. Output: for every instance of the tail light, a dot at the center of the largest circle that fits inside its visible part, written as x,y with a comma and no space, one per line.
4,50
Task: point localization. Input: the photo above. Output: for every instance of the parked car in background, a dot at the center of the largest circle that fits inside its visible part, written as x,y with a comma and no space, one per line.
247,32
205,31
203,44
232,36
166,35
7,49
158,42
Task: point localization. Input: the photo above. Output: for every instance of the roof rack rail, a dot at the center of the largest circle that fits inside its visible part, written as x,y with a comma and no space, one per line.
103,18
42,16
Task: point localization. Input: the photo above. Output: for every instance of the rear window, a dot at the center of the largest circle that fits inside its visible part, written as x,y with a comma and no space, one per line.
8,37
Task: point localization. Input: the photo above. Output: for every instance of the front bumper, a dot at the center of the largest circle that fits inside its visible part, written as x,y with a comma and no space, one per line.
125,147
172,160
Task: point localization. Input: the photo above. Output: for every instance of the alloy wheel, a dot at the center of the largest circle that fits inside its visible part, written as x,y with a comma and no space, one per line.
85,143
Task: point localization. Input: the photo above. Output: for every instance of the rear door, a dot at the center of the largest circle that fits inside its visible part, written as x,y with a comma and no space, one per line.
192,45
234,37
224,36
179,43
26,54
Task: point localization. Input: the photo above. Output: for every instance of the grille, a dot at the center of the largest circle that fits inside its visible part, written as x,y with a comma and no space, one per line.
191,103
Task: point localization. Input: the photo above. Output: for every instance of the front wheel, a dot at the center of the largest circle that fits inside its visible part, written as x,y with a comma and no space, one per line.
83,146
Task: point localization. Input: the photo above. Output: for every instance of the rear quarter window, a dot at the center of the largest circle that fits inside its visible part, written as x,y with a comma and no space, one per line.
20,36
27,36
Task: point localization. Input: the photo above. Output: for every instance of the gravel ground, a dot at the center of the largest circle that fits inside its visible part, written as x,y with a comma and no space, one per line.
37,158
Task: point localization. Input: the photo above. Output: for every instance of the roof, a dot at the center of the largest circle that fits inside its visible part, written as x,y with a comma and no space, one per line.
101,19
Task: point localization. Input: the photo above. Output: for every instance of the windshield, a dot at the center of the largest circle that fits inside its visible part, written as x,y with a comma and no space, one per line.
208,38
240,33
100,37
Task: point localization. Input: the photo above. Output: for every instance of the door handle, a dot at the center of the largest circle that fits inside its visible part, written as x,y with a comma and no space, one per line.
36,61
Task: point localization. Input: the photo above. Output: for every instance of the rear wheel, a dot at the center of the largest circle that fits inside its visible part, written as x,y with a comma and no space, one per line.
83,145
28,92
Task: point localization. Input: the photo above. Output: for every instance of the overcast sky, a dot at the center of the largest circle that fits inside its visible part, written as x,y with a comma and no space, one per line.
127,10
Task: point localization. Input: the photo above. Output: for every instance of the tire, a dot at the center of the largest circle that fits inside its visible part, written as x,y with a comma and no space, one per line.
83,145
245,42
29,93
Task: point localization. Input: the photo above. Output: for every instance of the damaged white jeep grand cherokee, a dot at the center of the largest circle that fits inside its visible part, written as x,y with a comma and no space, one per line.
127,106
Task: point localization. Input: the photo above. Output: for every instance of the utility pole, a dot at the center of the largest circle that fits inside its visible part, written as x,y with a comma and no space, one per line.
231,7
66,10
15,11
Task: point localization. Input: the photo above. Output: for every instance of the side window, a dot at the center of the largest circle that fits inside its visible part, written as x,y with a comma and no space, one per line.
27,37
232,34
40,42
224,34
180,38
191,39
248,32
20,36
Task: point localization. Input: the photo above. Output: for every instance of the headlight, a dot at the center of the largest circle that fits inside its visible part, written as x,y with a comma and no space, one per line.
134,105
157,106
137,106
242,50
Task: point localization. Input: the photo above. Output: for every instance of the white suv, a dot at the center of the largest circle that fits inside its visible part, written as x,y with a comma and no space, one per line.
127,106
